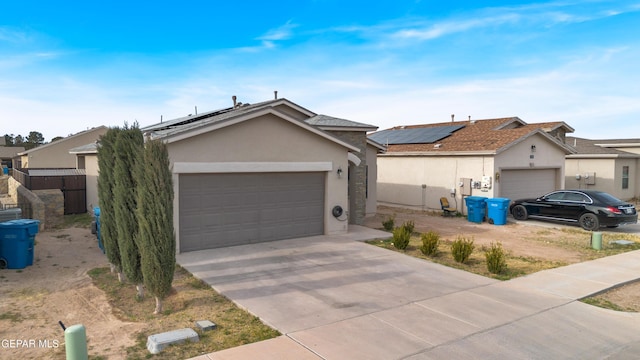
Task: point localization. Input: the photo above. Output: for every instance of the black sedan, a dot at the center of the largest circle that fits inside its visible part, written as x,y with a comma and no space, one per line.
589,208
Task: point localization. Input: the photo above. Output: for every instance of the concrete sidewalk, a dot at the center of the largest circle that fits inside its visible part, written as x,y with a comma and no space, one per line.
336,298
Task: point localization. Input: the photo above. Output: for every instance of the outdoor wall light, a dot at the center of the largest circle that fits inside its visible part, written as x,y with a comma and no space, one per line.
533,148
339,172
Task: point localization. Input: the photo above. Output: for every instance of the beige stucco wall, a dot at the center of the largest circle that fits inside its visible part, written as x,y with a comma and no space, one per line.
608,175
56,154
400,179
91,169
372,184
267,139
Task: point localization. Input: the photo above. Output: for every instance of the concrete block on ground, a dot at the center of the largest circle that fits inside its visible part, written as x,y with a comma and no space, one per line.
205,325
157,342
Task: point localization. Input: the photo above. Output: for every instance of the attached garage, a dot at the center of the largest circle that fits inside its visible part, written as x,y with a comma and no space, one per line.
527,183
254,173
217,210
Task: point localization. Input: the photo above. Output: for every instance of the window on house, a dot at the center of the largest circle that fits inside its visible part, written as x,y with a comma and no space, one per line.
625,177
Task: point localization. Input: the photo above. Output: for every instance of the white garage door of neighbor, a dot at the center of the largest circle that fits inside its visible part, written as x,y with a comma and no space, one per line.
520,184
218,210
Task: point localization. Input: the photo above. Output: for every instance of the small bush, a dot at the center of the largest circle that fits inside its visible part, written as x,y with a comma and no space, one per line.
430,243
401,237
389,223
496,262
409,225
461,249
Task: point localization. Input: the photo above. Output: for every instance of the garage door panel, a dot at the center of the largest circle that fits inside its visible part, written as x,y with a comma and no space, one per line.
528,183
231,209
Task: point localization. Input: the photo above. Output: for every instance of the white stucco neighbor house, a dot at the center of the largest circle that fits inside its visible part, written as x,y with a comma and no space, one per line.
492,158
611,166
267,171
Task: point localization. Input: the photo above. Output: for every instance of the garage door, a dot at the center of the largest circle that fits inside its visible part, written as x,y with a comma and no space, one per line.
519,184
219,210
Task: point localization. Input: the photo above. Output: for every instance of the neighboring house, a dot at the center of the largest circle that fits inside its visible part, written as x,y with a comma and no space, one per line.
55,155
8,153
87,160
263,172
491,158
612,166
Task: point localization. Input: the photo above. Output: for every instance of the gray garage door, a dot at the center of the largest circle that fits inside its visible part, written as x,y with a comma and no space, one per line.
519,184
219,210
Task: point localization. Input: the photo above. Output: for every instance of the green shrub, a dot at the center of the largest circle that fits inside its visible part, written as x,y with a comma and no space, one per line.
496,262
430,243
389,223
409,225
401,237
461,249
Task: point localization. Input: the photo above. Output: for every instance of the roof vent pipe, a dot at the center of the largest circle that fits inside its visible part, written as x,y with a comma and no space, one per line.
234,98
275,94
452,116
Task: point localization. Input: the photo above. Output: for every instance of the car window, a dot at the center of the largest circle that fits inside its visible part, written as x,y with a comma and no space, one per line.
571,196
557,196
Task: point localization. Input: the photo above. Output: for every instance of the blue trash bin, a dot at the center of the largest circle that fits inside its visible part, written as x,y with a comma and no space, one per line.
17,239
497,209
95,227
476,208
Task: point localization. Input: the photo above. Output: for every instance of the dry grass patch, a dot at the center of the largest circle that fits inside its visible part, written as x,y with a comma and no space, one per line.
191,300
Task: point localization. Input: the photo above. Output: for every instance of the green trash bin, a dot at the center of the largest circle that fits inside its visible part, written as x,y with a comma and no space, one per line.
17,241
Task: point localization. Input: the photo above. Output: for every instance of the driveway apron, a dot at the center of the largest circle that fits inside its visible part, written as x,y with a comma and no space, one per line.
336,298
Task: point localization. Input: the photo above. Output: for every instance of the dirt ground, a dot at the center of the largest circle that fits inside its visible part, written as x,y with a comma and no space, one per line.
57,287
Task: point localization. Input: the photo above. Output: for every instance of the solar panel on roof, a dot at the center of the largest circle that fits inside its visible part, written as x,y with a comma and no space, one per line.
414,136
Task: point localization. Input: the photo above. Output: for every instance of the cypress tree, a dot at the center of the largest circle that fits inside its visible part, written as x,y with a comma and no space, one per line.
155,218
128,149
106,184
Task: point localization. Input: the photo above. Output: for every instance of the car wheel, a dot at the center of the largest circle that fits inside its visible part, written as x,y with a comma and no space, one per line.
589,222
520,212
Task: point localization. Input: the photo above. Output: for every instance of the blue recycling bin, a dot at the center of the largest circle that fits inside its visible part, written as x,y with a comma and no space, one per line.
17,241
497,209
476,208
96,227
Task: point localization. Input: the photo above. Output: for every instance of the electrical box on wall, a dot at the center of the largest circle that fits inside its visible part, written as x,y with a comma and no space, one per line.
465,186
590,178
486,182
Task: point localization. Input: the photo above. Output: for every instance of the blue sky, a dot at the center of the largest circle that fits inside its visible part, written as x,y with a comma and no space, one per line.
68,66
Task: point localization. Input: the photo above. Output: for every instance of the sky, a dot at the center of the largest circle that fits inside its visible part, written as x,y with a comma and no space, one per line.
67,66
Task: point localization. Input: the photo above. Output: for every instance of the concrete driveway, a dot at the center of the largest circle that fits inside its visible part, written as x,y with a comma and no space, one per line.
334,297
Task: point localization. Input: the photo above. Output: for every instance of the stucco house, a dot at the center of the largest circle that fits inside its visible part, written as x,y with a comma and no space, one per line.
8,154
87,160
55,155
611,165
261,172
503,157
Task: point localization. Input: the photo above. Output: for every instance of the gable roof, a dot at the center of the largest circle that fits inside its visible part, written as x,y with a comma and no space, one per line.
57,142
189,126
10,151
326,122
488,136
586,148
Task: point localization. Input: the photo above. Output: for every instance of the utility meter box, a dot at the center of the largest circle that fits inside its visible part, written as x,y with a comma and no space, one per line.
486,182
